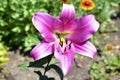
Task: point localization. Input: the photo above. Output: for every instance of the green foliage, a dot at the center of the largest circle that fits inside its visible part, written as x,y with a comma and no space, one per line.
106,68
3,52
30,41
16,28
98,72
113,64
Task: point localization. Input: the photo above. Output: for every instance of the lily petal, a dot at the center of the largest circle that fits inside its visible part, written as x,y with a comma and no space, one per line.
66,58
42,50
44,24
58,26
68,13
66,19
85,28
86,49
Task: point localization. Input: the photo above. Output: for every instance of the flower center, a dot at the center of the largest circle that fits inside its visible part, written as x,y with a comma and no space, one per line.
61,37
87,3
65,1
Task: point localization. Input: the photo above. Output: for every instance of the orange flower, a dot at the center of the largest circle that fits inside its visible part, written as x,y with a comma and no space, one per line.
87,4
65,1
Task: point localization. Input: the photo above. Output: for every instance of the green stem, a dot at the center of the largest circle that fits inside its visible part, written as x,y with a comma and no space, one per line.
46,68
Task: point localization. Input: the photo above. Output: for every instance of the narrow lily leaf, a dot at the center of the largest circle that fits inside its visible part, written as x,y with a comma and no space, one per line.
43,77
51,78
24,65
38,72
39,63
57,69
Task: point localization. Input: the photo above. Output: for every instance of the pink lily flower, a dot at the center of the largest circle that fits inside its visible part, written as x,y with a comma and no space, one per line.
64,36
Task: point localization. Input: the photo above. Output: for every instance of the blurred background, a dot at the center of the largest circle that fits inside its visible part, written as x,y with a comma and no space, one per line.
18,35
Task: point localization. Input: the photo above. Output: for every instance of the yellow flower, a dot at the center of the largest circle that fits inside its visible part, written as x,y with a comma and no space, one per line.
87,4
65,1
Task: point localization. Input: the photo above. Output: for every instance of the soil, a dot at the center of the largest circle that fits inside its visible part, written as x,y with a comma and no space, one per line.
80,70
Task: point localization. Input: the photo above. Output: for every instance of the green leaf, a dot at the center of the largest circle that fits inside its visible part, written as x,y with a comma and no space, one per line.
16,29
39,63
38,72
27,27
43,77
57,69
24,65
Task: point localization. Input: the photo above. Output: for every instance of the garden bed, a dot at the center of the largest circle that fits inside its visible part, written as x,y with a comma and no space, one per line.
80,70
